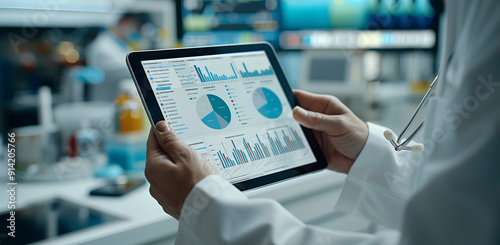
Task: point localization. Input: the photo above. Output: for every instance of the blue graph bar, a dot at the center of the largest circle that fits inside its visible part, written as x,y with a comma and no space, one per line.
240,155
255,73
266,152
284,142
236,158
221,160
273,146
213,77
259,151
226,162
298,139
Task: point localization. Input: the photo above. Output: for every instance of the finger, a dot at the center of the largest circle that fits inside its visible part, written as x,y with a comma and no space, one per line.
168,140
155,151
314,120
153,147
157,160
310,101
319,103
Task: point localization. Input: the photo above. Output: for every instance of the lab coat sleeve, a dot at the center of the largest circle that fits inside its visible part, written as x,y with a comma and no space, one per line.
379,182
215,212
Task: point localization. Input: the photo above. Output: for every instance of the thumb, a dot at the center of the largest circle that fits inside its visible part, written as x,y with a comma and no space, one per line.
313,120
171,143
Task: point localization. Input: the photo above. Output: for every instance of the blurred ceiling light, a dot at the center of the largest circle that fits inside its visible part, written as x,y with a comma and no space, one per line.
72,56
64,47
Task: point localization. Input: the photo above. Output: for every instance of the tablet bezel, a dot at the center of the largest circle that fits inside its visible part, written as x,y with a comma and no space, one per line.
154,113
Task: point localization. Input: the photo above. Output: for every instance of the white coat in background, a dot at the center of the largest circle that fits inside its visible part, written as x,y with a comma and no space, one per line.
450,194
108,52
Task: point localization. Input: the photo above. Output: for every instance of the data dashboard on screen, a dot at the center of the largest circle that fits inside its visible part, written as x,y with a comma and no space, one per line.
232,110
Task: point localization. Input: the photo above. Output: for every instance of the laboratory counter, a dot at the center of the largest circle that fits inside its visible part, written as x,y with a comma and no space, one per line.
138,218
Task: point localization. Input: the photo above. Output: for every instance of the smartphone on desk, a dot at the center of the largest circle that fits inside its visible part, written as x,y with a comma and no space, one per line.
117,187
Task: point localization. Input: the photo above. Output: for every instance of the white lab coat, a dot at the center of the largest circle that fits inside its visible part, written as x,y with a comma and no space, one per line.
450,194
108,53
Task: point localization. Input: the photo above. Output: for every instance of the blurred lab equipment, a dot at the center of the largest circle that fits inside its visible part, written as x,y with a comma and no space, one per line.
69,117
76,79
126,145
82,125
332,71
38,146
336,72
85,142
129,117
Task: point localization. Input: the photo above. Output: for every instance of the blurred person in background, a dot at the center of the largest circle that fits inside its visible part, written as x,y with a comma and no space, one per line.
108,52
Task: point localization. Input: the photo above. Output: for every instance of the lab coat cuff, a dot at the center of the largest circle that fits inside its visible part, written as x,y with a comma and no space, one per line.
371,153
203,193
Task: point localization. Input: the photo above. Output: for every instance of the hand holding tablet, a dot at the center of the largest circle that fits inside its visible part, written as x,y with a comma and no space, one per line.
233,106
341,134
172,168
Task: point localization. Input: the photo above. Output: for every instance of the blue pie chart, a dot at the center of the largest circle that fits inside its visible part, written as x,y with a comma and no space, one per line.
267,103
213,111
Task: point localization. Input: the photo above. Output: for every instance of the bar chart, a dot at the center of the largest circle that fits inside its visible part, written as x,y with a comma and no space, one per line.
282,142
239,157
253,66
206,75
276,142
255,73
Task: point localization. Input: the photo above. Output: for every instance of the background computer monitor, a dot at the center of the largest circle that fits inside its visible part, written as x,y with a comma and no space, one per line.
311,24
225,22
358,24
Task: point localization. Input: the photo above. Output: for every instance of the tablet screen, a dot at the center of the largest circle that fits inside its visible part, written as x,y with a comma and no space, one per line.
232,110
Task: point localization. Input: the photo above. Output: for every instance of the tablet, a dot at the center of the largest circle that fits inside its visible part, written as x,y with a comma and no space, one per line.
233,105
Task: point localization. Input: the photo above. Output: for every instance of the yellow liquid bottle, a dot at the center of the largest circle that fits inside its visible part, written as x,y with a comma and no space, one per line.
130,118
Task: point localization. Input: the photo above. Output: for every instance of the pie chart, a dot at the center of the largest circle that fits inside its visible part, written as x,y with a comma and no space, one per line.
267,103
213,111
